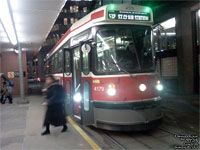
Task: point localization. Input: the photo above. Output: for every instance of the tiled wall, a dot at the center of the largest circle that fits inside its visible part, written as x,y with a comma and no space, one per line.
169,67
9,63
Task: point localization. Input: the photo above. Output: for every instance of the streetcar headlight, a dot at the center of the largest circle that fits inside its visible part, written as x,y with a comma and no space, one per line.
142,87
111,90
159,87
77,97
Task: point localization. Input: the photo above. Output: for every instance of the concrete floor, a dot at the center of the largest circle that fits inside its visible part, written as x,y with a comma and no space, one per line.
181,112
21,126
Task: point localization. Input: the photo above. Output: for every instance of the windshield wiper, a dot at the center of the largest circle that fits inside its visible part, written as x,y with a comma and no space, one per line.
121,68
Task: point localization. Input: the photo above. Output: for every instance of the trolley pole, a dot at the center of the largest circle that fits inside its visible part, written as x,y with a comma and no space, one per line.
21,76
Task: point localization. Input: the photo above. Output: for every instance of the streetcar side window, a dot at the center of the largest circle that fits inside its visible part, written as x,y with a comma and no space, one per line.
52,64
60,58
49,65
67,62
85,63
56,63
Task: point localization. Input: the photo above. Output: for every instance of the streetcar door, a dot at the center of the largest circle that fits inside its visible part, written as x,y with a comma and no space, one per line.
76,81
67,76
87,115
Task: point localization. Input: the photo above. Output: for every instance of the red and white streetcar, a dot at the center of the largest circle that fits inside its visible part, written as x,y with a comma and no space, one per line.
106,62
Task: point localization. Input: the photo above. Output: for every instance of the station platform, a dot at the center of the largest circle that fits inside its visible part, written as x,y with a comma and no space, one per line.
181,112
21,127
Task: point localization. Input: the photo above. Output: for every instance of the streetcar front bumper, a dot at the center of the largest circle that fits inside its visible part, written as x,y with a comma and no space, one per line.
127,116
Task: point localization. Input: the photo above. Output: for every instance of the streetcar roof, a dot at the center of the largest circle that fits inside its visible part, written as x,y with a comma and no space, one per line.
100,16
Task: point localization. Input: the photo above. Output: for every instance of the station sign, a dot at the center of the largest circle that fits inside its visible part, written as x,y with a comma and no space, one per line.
128,15
15,74
11,75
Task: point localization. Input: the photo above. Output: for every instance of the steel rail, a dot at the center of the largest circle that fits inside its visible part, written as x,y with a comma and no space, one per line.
114,141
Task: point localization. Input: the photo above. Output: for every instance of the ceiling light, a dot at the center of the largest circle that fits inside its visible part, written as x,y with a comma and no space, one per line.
6,21
16,51
169,23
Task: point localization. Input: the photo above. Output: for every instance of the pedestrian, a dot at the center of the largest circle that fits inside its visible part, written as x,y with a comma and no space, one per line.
55,105
10,91
7,91
3,92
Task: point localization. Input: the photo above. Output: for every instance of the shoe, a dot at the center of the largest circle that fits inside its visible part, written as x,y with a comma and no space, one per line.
64,128
46,132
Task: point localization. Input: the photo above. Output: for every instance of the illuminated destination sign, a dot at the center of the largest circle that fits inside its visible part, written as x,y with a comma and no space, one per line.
129,15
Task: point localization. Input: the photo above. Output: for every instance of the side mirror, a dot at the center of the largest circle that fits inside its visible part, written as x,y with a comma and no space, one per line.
86,47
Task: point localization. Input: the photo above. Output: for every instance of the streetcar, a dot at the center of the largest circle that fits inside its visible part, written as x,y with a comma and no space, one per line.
106,62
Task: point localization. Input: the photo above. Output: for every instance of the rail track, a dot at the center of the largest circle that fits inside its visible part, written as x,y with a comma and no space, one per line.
170,132
117,140
114,141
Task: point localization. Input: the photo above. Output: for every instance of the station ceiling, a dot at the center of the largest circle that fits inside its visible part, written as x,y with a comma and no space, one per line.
35,18
33,21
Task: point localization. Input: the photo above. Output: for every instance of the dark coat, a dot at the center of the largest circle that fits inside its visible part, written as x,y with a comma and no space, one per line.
55,113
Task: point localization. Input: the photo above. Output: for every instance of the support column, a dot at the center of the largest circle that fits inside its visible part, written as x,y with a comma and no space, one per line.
0,66
21,76
185,51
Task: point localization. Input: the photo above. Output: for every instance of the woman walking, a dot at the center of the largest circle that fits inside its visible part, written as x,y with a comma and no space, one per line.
55,102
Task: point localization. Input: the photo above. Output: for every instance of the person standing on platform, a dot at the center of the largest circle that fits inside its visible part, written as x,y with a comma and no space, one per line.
4,92
10,91
7,90
55,102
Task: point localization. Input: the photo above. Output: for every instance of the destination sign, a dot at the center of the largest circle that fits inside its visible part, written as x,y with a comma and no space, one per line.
128,15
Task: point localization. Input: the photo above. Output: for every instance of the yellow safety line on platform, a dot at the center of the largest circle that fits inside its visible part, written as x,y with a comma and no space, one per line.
84,135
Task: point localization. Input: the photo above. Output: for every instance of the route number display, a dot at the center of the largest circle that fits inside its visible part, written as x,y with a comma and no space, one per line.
129,15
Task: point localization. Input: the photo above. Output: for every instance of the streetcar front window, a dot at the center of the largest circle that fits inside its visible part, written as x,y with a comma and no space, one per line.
127,47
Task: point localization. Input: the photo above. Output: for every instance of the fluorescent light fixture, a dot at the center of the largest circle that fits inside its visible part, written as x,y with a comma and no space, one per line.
16,51
169,33
169,23
6,19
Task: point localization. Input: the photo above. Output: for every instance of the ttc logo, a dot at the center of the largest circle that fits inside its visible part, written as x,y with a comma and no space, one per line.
112,16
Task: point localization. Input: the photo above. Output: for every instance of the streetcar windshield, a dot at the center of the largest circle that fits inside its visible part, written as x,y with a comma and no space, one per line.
127,47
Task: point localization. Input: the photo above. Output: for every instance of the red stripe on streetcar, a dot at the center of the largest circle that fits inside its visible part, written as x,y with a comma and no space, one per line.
94,16
97,14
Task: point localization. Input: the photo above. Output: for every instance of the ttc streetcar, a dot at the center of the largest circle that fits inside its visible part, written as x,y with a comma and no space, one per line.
106,62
